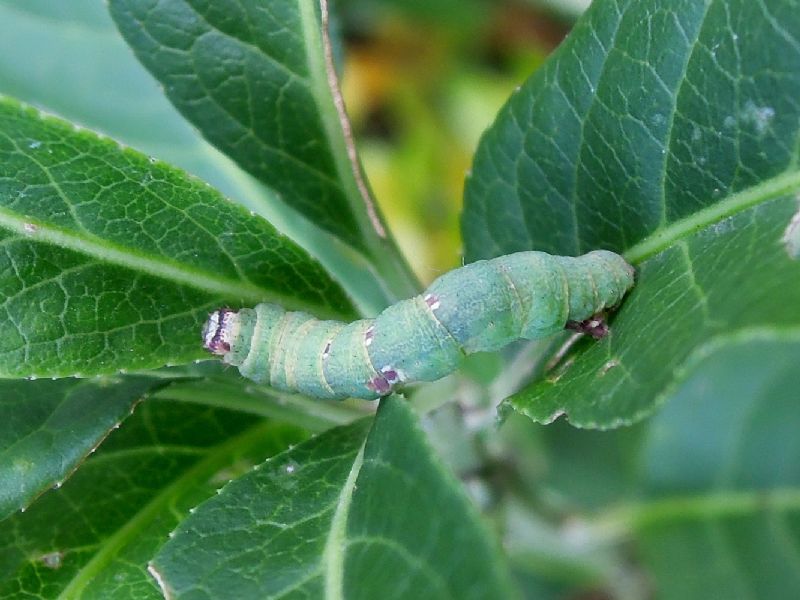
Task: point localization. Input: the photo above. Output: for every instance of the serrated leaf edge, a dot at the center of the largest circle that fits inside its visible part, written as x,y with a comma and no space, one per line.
105,251
680,375
100,439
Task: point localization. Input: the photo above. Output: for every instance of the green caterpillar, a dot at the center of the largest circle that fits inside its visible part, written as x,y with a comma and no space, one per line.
480,307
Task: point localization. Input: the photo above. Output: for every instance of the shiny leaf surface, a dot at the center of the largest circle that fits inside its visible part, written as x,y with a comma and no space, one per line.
48,427
92,537
338,517
111,261
667,131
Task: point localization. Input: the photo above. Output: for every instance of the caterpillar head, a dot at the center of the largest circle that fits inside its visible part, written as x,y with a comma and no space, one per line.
217,331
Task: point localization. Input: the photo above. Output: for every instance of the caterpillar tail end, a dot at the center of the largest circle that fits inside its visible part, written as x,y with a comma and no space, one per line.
217,331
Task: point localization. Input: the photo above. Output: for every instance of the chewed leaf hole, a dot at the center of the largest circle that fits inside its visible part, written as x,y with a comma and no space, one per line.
52,560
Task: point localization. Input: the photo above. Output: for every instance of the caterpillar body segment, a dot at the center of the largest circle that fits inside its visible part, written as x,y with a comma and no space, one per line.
479,307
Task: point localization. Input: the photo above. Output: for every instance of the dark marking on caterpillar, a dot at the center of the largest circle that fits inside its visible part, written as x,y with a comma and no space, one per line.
595,326
479,307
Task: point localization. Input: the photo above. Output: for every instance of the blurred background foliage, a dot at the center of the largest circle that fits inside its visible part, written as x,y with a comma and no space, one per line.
422,80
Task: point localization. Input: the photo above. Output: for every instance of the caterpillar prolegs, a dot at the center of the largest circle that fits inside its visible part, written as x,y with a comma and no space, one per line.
479,307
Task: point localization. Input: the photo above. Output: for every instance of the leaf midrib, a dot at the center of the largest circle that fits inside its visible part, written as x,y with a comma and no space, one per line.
661,239
324,87
180,273
334,551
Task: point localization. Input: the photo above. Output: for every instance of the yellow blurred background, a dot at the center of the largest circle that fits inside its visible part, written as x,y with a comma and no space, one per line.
422,80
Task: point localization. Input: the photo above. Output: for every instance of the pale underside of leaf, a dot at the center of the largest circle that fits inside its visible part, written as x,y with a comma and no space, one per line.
721,470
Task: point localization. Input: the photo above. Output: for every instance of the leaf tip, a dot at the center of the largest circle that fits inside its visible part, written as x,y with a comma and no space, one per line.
166,591
791,236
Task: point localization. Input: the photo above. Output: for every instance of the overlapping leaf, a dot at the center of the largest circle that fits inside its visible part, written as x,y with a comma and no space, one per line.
110,261
73,63
721,466
92,538
338,517
48,427
252,77
667,131
708,489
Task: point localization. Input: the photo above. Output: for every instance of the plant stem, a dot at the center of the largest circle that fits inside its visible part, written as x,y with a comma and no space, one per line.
623,522
389,262
313,415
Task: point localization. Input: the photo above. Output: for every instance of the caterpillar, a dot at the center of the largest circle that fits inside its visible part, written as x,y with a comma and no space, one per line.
479,307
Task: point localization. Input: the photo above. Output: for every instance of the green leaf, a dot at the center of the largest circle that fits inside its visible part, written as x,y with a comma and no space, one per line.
706,492
585,469
721,466
668,131
111,261
92,538
48,427
73,62
338,517
258,83
725,284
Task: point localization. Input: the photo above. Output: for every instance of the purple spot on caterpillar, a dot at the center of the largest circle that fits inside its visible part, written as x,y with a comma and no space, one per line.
380,385
216,330
392,375
368,335
432,301
386,380
327,351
